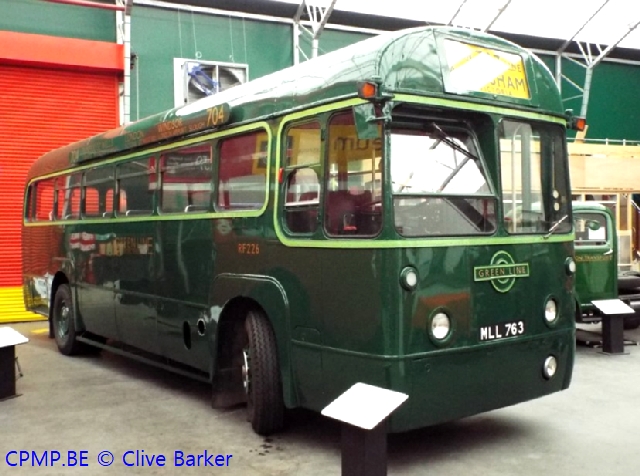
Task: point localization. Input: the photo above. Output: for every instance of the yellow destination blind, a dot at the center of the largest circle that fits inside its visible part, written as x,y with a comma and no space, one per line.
475,68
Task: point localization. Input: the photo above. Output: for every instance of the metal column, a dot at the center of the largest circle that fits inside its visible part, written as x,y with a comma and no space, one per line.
318,17
591,54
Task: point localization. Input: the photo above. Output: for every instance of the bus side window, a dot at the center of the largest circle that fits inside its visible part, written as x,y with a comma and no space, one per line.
43,191
137,181
302,189
242,173
69,196
186,179
98,203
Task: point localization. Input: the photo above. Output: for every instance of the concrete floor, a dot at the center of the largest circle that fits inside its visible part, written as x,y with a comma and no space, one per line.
110,403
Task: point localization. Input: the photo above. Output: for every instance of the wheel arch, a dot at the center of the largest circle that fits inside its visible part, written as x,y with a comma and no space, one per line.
235,295
58,279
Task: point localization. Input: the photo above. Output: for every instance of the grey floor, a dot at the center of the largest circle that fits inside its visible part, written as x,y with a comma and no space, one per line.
111,403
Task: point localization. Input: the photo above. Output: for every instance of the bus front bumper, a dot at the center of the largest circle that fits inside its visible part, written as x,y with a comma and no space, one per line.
449,384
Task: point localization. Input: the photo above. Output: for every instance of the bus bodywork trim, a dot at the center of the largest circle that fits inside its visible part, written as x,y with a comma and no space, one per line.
434,352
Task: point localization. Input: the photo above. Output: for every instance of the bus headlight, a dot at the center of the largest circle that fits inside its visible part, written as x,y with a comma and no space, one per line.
549,367
409,278
570,266
550,311
440,326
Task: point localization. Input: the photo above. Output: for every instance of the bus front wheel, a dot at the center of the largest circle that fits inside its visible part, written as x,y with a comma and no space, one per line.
261,376
63,316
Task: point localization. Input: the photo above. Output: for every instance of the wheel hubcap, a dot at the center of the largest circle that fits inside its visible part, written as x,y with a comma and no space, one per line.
246,371
63,321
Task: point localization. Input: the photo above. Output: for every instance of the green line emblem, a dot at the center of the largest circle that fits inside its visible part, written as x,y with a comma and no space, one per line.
502,272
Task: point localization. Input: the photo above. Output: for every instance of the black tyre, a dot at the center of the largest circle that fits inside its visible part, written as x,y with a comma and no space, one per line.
628,281
631,323
63,317
261,376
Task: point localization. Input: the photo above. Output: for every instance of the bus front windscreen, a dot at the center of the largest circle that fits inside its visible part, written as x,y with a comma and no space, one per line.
534,177
439,183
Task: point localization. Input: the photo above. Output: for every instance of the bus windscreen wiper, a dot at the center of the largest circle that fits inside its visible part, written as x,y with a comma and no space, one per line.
443,137
555,226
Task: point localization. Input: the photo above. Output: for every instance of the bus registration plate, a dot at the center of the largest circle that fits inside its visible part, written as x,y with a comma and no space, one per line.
502,330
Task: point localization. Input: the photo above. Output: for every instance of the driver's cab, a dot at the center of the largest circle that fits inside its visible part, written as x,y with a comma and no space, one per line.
596,254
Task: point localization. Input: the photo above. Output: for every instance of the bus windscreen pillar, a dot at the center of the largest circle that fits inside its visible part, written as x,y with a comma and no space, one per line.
364,410
613,312
9,338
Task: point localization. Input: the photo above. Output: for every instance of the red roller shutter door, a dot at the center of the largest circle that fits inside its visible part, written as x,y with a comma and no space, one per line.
41,109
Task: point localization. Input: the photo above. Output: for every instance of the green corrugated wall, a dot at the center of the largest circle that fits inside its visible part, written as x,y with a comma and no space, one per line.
614,105
55,19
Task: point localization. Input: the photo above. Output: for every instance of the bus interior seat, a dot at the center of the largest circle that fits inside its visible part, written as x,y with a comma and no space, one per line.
340,213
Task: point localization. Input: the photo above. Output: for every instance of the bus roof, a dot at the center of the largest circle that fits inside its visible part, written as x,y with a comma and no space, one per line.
430,61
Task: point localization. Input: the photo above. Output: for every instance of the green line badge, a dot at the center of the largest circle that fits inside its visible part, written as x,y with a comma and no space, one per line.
502,272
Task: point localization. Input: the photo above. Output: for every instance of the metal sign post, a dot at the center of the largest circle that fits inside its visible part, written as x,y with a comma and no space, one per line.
364,410
9,338
613,312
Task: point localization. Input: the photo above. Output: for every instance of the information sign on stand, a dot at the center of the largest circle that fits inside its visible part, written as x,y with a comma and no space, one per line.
9,338
613,312
364,410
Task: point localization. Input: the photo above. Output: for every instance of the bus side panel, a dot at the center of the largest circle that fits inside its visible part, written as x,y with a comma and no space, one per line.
184,266
96,276
299,271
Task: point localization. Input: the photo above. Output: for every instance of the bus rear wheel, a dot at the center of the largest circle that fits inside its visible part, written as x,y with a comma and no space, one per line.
63,316
261,376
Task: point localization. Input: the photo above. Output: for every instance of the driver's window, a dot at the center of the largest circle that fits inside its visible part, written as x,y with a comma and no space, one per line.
353,201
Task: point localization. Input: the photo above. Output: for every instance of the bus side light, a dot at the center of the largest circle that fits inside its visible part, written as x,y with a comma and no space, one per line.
280,175
367,90
409,278
578,123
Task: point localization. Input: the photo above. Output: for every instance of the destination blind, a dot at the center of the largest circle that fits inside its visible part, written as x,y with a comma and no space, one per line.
474,68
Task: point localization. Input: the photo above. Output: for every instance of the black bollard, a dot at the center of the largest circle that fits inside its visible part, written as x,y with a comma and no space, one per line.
364,452
612,334
7,372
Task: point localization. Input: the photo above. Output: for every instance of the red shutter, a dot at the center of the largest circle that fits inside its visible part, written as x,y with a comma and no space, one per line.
41,109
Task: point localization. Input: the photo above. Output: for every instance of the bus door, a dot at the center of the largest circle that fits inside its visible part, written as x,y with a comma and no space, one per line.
134,260
595,257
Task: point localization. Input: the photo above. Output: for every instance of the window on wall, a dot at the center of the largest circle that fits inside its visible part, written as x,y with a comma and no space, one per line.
353,198
195,79
242,173
98,192
302,164
186,179
43,196
137,182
